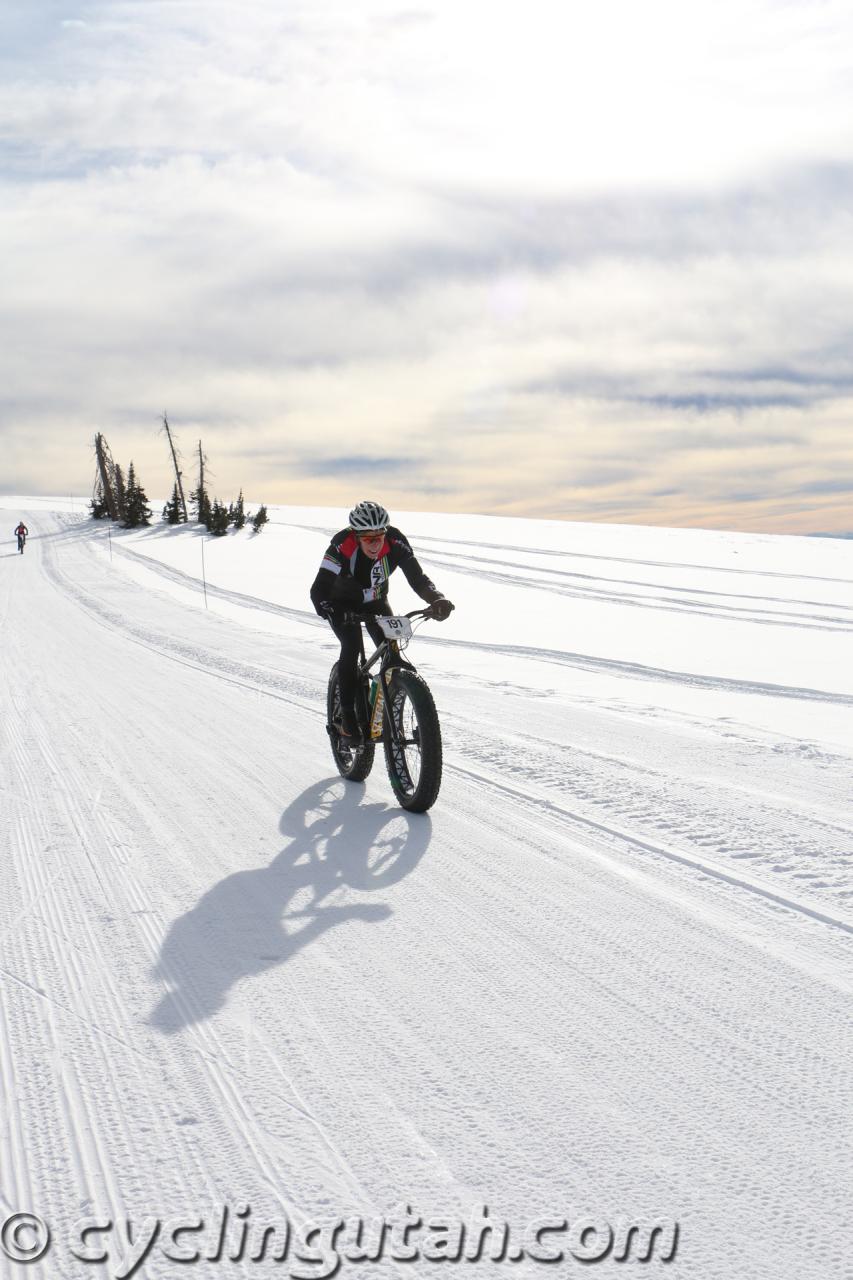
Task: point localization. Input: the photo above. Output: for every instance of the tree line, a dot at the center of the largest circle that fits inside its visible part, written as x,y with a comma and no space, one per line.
215,516
124,499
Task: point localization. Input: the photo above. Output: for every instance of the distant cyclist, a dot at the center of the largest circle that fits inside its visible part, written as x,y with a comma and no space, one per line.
353,578
21,534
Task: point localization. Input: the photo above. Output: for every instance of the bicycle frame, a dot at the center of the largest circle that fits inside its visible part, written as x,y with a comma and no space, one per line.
401,714
390,655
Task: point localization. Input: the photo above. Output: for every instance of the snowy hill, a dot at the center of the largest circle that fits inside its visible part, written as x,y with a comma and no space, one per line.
606,977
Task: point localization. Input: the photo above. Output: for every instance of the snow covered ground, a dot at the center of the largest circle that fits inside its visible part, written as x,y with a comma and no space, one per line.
606,977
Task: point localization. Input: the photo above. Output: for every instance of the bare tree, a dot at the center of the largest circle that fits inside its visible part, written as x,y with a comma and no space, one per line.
106,471
200,496
178,481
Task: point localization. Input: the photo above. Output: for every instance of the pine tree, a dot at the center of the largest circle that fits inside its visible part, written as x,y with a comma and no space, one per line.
220,518
130,499
137,510
259,519
201,506
98,505
142,505
238,513
172,512
121,493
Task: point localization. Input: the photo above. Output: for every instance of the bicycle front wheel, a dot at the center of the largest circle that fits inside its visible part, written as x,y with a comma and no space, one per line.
413,746
352,763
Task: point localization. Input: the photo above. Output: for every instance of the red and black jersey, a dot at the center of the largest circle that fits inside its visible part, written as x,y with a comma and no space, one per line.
345,568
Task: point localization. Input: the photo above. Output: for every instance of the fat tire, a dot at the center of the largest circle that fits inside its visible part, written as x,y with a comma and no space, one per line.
354,764
420,796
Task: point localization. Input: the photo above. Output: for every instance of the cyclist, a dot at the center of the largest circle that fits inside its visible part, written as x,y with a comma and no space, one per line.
353,578
21,533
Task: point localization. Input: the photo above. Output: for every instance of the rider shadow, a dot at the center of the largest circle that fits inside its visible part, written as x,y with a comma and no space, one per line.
256,920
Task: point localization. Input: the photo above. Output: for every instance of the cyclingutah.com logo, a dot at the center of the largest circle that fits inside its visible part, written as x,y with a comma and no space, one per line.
316,1250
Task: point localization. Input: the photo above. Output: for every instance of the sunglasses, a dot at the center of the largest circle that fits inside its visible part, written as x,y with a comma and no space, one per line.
371,537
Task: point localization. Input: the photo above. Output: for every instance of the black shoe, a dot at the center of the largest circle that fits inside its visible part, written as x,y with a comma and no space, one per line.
347,725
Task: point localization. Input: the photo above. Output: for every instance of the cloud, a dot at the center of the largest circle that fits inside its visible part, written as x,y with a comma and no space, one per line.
304,224
353,465
744,495
703,402
844,485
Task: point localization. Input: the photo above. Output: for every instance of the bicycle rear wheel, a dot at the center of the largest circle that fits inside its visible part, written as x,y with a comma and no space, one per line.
352,763
413,752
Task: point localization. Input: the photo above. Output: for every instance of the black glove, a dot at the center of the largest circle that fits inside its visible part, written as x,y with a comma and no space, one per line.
441,608
325,610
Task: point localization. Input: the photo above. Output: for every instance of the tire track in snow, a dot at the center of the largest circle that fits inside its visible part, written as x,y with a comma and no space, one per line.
92,1116
653,600
60,961
18,1188
221,593
286,686
260,681
240,1128
579,661
568,1016
635,842
636,671
588,578
223,1074
793,843
113,883
604,595
690,566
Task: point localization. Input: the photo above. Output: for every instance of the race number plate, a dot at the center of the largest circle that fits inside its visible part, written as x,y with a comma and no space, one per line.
396,628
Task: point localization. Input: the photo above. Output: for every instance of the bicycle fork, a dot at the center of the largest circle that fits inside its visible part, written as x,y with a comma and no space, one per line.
376,709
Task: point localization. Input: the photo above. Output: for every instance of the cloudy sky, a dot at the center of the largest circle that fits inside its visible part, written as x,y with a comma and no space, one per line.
551,258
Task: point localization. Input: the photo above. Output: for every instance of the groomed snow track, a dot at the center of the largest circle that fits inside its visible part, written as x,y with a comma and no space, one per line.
608,975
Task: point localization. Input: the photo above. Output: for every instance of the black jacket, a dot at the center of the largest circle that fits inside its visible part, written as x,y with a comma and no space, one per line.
350,579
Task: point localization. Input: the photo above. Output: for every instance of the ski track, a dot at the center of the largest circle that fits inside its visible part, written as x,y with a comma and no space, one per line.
699,815
689,566
95,1098
534,581
690,600
578,661
363,1007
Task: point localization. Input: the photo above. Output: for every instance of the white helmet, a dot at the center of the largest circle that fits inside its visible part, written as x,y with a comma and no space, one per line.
369,517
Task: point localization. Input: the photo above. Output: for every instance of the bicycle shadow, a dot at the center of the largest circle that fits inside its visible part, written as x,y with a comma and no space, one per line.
258,919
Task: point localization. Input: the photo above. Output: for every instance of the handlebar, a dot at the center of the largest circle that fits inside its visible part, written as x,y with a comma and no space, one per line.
351,615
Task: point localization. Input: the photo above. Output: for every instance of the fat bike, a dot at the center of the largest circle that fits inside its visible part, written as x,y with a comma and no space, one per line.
394,707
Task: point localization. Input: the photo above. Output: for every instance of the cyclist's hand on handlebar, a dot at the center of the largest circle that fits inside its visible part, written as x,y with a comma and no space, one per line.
337,614
441,609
